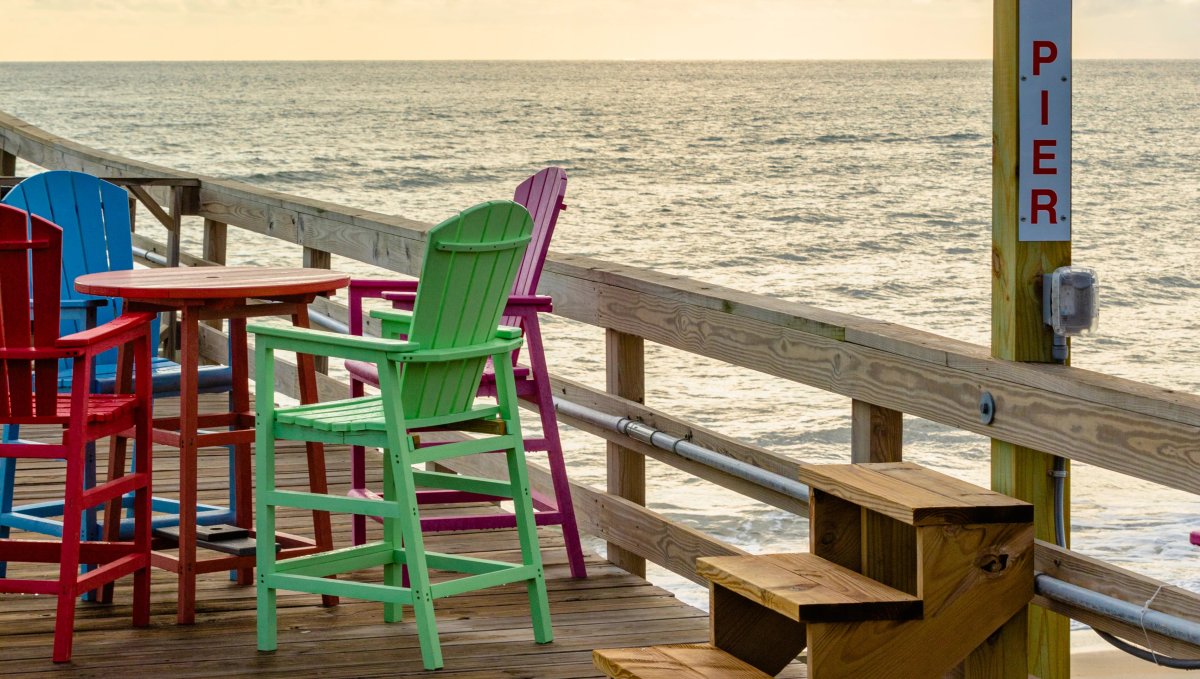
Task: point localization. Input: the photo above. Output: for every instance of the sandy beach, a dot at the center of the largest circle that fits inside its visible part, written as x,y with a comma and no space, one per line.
1091,658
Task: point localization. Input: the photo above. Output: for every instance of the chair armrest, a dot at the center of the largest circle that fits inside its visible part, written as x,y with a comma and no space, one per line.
91,302
534,302
394,323
369,288
496,347
117,331
320,343
507,332
403,300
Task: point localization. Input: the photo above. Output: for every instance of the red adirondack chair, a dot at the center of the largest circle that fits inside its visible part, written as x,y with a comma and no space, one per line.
30,351
542,194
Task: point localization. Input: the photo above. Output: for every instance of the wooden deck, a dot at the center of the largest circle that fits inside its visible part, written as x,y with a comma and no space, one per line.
484,634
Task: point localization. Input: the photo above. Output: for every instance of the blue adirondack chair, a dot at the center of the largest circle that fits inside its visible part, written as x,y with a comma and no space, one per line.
94,217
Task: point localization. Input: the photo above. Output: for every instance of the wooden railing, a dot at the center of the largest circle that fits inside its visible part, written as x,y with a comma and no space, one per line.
885,369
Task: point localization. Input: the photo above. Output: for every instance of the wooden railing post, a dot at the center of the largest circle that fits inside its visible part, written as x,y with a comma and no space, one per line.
875,433
1019,334
889,550
8,164
214,250
318,259
214,240
626,377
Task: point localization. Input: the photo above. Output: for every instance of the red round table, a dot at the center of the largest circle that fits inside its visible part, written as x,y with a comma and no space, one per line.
204,294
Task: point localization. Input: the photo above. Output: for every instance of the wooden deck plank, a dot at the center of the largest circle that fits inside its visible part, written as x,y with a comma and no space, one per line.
485,634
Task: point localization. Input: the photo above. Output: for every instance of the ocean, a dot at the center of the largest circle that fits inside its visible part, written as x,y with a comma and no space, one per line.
862,187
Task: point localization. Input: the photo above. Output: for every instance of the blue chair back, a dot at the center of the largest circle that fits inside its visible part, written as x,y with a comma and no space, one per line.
94,217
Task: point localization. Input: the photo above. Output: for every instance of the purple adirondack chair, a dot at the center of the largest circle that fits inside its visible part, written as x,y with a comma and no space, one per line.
542,194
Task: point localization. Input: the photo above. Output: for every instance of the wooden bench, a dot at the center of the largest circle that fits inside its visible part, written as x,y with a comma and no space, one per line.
908,573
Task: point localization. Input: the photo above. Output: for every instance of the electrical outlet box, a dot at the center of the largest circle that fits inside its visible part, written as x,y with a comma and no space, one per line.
1071,301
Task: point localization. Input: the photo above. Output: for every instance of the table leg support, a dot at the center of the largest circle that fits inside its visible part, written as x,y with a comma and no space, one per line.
317,480
240,397
188,406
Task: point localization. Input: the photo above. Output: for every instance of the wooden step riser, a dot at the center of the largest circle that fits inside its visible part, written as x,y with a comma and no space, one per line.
758,636
967,595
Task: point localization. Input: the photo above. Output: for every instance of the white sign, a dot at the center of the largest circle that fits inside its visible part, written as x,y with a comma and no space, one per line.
1044,105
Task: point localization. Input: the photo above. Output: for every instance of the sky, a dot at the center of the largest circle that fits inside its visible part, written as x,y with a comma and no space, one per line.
120,30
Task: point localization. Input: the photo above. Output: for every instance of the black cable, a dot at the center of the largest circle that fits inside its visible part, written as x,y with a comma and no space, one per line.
1172,663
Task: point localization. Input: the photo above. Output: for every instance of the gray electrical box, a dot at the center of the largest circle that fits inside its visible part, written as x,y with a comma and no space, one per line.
1071,301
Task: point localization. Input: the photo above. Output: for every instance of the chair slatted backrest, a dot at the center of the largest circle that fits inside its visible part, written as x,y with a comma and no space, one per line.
30,260
470,263
94,217
542,194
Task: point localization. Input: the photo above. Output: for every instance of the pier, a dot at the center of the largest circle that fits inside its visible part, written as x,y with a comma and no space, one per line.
884,369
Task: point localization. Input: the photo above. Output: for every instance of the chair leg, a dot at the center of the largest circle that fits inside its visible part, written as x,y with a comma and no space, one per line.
113,512
554,450
317,478
68,573
358,476
531,555
143,513
8,469
264,529
403,490
239,455
562,486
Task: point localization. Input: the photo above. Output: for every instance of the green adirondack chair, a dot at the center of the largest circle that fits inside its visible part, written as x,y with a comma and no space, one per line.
427,382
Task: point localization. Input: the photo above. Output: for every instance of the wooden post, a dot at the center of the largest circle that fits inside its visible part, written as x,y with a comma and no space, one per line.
214,240
875,433
318,259
8,164
1018,334
214,251
889,550
626,377
174,233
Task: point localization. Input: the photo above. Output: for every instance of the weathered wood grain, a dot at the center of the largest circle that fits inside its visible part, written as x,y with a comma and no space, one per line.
806,588
876,433
625,376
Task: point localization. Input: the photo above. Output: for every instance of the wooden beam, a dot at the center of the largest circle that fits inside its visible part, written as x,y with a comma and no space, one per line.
1019,334
625,370
152,205
8,163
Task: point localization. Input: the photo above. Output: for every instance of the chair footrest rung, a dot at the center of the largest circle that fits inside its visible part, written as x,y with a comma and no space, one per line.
682,661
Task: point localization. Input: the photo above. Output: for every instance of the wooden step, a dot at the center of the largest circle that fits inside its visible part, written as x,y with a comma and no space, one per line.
682,661
807,588
915,495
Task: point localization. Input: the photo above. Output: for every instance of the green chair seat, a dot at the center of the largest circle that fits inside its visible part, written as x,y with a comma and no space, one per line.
356,414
